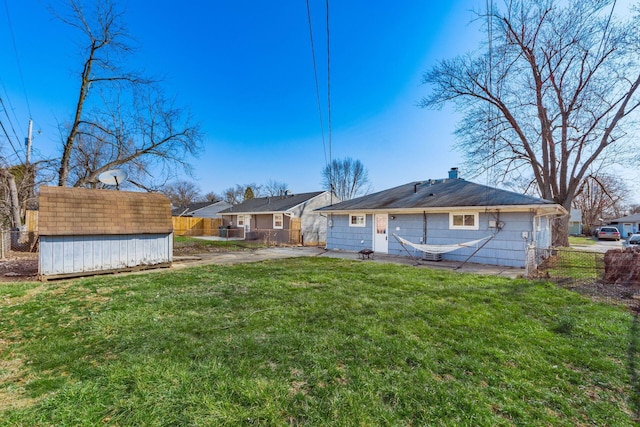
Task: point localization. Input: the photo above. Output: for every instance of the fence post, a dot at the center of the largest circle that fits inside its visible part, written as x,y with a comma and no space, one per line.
530,261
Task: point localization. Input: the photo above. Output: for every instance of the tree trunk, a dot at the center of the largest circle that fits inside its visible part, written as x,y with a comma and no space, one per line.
14,201
561,226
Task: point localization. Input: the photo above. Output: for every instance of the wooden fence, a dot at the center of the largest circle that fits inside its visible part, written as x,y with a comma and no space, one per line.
191,226
31,220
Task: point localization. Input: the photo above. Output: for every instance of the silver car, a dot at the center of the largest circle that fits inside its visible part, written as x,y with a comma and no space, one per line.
633,241
608,233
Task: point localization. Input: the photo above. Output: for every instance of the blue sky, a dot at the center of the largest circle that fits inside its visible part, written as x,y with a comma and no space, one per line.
244,68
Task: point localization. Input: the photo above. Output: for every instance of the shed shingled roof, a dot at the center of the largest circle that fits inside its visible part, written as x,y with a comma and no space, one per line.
437,194
270,204
83,211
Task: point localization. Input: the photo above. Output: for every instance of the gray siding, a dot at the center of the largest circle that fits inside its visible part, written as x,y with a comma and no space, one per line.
83,254
506,248
342,237
314,225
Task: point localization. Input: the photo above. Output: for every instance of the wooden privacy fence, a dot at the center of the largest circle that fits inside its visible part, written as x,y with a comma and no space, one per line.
191,226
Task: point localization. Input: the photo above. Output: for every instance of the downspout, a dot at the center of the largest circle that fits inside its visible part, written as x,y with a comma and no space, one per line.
424,227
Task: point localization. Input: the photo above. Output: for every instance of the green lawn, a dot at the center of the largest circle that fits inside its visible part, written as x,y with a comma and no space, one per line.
581,241
313,342
184,245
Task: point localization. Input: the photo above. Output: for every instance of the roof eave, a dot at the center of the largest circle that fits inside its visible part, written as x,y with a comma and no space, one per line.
548,208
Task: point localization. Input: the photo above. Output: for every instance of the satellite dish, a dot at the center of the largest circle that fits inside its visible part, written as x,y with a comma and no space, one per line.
113,177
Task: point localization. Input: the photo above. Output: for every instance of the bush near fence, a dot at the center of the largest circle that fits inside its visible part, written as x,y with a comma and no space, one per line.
585,272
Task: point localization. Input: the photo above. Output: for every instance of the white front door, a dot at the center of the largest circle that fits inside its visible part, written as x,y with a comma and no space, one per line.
380,233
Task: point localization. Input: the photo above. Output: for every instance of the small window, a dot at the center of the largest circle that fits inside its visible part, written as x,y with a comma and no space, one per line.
277,221
240,220
357,220
463,221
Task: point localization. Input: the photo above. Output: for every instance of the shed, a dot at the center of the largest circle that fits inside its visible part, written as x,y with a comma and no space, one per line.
88,231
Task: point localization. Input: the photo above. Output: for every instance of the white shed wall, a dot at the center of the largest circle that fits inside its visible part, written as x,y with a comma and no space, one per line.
85,254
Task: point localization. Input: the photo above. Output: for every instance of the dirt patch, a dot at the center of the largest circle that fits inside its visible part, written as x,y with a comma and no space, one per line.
19,268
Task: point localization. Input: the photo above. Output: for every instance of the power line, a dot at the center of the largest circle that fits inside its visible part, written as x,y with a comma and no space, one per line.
15,50
315,73
329,82
12,128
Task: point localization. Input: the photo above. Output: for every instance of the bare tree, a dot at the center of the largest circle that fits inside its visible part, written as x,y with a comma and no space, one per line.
182,193
121,119
553,98
237,193
347,178
600,198
212,197
275,188
11,203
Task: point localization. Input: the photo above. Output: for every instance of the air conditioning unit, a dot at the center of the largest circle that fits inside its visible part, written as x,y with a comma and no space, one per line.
428,256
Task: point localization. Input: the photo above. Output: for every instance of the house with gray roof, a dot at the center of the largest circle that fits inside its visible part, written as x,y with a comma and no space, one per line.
202,209
627,225
451,219
289,218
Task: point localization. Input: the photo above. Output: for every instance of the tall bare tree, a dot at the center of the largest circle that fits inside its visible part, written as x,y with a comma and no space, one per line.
347,178
600,197
121,119
553,98
237,194
275,188
182,193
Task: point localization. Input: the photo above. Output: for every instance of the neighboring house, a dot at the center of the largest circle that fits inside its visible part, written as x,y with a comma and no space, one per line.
575,222
202,210
272,218
627,225
444,212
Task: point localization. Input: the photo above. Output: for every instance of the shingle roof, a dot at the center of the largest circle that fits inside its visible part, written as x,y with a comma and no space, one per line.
628,218
182,210
438,194
271,204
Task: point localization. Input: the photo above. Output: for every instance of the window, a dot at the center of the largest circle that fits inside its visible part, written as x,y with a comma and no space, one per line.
240,220
463,221
357,220
277,221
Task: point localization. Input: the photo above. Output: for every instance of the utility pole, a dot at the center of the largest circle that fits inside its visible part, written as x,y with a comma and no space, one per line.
27,142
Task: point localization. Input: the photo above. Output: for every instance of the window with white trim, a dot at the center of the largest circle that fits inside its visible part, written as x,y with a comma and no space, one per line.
277,221
357,220
240,220
463,221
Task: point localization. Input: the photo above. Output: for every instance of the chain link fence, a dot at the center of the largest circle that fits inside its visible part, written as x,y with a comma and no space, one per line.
15,242
613,277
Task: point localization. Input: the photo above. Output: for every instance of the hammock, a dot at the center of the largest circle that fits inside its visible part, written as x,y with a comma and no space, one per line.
439,249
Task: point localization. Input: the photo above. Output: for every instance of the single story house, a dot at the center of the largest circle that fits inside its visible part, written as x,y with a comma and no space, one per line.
202,209
451,219
575,222
290,218
627,225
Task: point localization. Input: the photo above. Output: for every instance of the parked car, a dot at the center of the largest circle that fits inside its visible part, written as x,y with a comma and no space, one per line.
633,241
608,233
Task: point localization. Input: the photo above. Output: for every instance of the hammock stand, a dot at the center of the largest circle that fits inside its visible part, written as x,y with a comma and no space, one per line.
443,248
